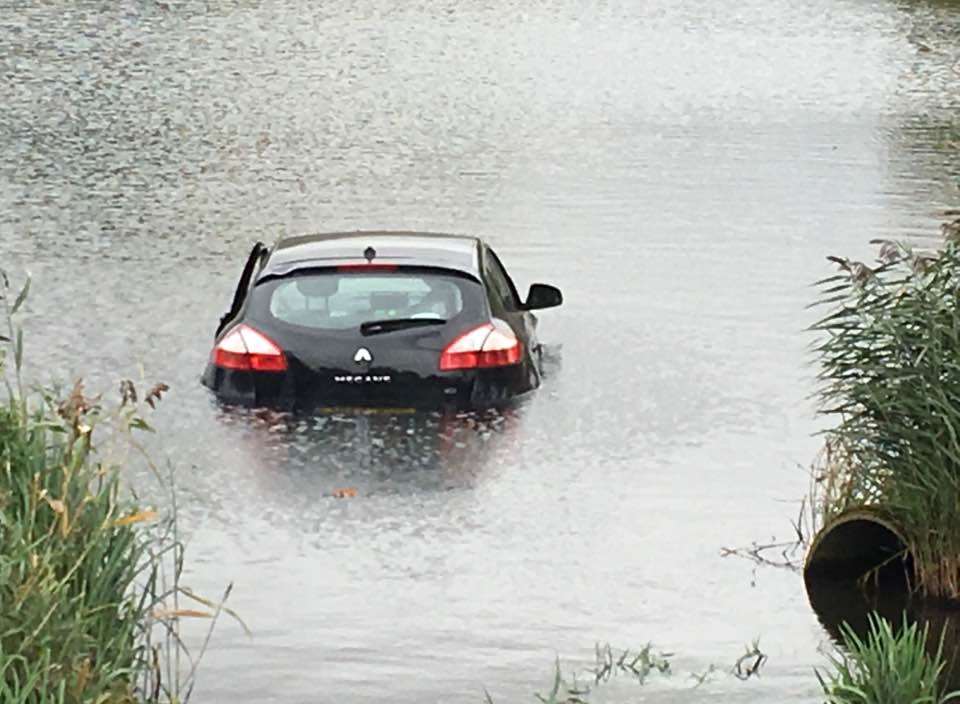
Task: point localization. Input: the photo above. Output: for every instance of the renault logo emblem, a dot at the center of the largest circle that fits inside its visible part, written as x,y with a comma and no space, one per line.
363,356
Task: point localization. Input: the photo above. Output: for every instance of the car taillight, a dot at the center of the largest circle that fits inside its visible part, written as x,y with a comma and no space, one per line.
250,350
490,345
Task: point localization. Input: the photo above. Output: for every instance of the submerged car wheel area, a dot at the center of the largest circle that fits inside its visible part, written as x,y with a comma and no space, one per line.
377,319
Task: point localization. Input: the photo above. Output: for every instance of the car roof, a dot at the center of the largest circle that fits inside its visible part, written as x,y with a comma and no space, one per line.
458,252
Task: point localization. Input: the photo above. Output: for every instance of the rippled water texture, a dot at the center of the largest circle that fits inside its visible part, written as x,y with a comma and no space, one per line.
679,168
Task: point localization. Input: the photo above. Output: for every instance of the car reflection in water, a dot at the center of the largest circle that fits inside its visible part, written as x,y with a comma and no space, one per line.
353,452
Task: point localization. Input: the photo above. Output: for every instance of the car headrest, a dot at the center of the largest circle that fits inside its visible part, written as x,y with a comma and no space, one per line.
317,286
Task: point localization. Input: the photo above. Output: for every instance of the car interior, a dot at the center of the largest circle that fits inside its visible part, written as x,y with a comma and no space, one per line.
339,301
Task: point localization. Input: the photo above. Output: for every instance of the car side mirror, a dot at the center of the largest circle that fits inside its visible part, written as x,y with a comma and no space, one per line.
543,296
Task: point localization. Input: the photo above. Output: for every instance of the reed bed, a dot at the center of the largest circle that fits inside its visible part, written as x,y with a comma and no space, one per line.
90,592
890,375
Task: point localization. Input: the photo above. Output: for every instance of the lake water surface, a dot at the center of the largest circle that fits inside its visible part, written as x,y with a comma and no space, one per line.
679,168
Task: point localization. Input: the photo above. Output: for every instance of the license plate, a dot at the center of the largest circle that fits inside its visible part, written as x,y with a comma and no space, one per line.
365,410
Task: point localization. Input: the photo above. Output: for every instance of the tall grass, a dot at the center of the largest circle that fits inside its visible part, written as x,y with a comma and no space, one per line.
67,561
890,359
89,592
885,667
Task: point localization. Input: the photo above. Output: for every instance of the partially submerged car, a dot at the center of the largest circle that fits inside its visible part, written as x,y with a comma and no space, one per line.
377,319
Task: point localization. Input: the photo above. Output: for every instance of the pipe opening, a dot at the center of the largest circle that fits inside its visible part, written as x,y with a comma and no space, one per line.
859,545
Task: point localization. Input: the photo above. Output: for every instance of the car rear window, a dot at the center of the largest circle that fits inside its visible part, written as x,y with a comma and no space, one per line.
338,300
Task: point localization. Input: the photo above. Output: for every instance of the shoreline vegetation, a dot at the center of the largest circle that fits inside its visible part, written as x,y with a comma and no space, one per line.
886,489
90,594
886,666
890,375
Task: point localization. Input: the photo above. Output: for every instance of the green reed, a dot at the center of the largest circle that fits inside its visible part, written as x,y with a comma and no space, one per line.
888,666
89,581
890,375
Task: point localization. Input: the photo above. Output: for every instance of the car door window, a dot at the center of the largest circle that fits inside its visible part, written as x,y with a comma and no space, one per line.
503,294
243,285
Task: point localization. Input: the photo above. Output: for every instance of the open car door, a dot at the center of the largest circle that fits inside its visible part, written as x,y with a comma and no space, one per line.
240,295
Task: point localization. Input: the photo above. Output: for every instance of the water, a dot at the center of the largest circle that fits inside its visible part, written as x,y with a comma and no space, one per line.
679,169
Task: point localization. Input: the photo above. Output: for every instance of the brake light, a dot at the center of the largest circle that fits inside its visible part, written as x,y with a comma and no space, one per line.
366,268
250,350
489,345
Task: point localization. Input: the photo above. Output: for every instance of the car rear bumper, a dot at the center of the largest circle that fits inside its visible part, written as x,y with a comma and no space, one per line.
456,390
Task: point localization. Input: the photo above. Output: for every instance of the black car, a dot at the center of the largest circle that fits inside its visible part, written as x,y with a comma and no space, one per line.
384,319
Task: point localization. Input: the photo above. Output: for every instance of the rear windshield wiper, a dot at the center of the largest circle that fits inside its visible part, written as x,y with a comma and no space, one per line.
375,327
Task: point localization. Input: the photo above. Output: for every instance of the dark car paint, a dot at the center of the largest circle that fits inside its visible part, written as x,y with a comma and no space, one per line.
309,380
456,252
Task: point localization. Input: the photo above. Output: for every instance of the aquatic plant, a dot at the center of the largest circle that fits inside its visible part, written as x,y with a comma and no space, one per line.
890,374
888,666
89,579
637,665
